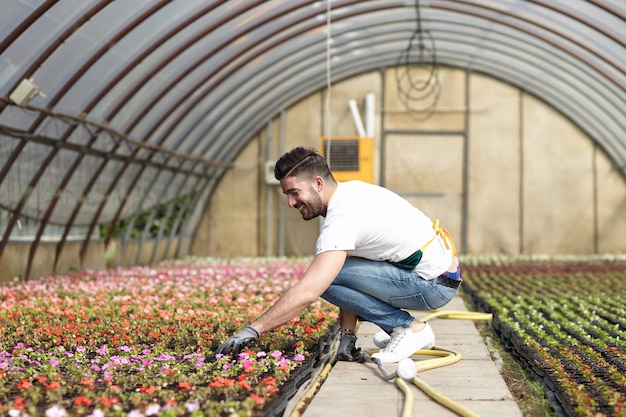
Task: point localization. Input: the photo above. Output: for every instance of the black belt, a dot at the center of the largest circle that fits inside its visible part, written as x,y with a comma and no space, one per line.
449,282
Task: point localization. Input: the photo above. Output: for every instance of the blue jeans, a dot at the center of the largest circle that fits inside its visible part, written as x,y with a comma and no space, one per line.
379,291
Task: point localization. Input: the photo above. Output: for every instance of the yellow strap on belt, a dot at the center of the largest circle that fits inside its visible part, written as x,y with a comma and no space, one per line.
445,236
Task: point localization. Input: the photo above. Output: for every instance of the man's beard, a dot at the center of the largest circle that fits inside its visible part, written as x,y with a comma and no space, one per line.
313,208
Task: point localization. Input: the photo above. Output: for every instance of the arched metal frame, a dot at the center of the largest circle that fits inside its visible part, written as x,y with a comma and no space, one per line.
153,101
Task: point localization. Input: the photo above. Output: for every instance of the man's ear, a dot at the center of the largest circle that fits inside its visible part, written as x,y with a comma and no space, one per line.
319,183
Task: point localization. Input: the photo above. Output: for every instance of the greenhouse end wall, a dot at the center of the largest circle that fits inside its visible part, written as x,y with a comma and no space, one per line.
531,182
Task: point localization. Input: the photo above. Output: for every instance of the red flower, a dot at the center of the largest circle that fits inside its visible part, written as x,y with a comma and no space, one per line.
86,382
184,385
19,403
53,385
241,381
220,382
108,401
257,399
148,390
24,383
268,380
82,401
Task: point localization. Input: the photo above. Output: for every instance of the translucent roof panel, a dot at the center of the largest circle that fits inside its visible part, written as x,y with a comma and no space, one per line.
134,66
144,100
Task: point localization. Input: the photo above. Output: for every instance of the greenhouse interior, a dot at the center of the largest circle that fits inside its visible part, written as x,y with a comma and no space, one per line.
139,141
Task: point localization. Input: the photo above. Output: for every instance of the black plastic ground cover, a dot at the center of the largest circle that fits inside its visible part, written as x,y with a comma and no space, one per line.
536,366
319,355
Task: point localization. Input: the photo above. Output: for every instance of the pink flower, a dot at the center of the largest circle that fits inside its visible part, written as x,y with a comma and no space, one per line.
247,364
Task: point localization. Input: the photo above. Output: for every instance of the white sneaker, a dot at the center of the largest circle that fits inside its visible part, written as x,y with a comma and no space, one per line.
381,339
404,342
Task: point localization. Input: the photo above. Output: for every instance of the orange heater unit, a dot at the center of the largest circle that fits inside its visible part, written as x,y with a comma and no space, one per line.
349,157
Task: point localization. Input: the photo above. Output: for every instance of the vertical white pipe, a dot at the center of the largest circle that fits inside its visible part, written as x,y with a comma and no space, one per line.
357,118
370,112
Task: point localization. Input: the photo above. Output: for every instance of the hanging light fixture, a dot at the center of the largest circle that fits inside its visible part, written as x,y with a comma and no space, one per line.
417,73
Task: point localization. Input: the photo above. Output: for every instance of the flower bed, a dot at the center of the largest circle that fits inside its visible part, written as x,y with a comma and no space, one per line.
141,341
565,321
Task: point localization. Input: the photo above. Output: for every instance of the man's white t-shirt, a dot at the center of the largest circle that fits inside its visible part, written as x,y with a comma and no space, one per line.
375,223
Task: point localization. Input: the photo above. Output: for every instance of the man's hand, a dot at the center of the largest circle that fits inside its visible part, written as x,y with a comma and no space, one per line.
246,336
347,350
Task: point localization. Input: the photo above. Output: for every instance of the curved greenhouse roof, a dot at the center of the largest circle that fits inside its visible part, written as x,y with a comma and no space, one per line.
148,100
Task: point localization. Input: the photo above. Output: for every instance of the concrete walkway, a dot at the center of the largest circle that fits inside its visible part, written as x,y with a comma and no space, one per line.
358,390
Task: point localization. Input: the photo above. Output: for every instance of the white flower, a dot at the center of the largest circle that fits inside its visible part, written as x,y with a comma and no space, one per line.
153,409
56,411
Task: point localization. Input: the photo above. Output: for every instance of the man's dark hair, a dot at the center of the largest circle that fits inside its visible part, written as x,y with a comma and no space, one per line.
301,160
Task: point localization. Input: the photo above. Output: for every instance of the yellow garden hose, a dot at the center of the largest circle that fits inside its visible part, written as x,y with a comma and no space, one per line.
441,399
442,357
458,315
408,396
445,357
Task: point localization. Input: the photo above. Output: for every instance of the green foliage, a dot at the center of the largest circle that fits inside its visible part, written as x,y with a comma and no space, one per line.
152,219
564,321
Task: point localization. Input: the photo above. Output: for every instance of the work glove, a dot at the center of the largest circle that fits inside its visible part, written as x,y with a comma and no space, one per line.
246,336
347,350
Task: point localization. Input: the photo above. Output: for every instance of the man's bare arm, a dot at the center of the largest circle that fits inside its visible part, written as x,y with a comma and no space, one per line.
315,281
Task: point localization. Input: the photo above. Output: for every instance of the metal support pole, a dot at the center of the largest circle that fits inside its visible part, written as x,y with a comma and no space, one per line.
269,244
